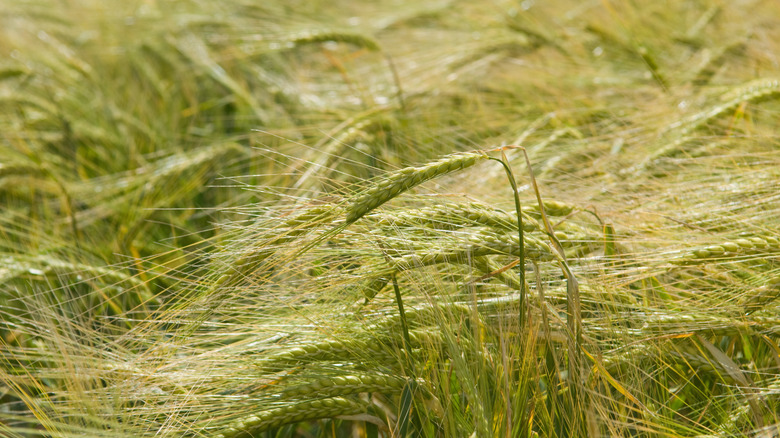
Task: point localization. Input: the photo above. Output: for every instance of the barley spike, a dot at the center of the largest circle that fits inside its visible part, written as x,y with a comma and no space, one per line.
407,178
303,411
345,385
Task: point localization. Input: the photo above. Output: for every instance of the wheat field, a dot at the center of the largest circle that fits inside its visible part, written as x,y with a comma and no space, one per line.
389,219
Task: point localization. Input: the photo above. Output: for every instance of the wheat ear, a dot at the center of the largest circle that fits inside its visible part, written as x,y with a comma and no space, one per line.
325,351
345,385
304,411
728,250
753,91
405,179
454,215
481,243
323,35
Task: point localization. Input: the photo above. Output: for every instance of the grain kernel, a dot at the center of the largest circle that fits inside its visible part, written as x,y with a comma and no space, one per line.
759,242
730,246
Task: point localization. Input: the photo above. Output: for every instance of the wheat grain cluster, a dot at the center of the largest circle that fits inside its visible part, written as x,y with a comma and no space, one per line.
389,219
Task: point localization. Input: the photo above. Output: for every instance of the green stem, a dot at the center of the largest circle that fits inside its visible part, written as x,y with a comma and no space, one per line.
504,162
406,395
573,317
404,327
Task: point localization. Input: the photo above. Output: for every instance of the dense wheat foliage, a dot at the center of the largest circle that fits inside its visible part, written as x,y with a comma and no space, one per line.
389,219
